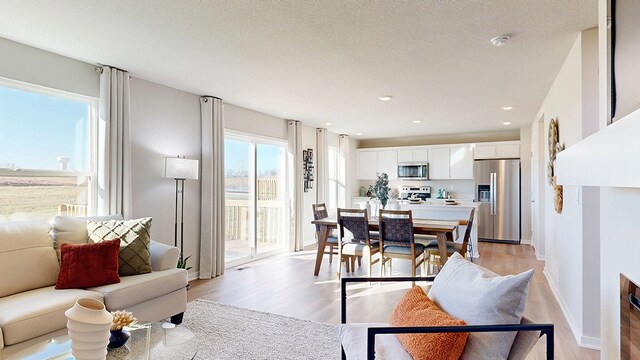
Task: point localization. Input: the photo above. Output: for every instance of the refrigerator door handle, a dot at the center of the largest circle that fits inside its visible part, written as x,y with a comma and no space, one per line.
493,193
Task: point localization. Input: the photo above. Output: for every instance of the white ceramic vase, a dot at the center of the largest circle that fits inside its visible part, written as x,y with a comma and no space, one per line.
88,324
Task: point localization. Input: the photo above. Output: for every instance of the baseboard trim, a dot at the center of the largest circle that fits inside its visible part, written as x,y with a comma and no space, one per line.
540,257
193,276
582,341
589,342
312,246
525,241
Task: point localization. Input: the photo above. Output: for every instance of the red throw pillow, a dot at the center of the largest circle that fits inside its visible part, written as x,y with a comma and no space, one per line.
87,265
416,309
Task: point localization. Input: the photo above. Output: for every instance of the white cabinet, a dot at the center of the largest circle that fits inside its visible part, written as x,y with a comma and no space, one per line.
388,163
498,150
485,152
367,164
439,163
412,155
461,162
508,150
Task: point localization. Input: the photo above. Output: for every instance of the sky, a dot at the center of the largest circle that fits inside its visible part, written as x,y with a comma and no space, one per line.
236,157
36,129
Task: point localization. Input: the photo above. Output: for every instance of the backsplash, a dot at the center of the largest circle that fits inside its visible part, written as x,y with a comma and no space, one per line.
462,189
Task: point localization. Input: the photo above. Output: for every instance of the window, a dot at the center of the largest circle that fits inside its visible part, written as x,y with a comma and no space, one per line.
47,152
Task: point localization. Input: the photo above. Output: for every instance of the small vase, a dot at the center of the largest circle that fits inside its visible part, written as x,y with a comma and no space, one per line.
118,338
88,324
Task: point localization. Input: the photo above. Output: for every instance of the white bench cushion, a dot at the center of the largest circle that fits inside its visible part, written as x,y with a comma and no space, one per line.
354,342
37,312
135,289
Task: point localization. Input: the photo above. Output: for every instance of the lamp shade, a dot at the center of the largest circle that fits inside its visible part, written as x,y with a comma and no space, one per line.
179,168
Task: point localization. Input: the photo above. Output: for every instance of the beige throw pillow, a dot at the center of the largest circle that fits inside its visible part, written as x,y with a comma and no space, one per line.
478,296
134,257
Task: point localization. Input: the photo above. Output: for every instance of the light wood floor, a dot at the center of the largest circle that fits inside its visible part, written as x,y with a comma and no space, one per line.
285,285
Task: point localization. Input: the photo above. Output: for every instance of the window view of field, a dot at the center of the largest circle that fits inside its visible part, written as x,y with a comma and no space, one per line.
24,198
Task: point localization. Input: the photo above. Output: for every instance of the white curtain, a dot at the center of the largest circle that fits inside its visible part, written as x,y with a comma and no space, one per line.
295,178
114,144
322,166
343,172
212,212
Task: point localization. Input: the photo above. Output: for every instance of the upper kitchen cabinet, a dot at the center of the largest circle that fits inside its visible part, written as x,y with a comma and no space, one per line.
367,164
439,163
388,163
461,162
498,150
413,155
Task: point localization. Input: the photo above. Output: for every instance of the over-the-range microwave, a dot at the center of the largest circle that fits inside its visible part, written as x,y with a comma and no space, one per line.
413,171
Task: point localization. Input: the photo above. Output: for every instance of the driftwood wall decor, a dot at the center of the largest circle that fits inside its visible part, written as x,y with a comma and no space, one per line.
554,148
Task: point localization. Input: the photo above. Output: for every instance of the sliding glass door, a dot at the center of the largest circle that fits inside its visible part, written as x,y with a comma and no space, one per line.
255,187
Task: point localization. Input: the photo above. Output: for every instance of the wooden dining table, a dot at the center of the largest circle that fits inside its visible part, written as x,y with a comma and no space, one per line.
442,229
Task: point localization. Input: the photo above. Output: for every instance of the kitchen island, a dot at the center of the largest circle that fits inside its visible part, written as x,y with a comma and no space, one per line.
436,209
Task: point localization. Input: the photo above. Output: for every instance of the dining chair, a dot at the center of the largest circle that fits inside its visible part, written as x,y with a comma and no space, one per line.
463,248
356,221
397,240
320,212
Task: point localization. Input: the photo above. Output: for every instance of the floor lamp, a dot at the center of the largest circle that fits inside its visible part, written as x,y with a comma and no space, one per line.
180,169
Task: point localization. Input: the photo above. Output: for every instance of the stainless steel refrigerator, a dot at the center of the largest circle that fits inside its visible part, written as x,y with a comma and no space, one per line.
498,191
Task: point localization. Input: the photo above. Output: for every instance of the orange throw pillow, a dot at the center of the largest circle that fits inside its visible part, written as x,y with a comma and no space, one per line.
416,309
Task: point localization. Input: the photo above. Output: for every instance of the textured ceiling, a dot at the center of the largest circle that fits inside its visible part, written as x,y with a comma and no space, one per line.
327,61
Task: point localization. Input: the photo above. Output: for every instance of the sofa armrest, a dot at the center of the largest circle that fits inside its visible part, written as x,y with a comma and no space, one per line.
1,341
163,257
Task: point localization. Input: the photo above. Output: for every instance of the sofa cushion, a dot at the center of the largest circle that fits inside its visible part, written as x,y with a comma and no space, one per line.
136,289
480,297
37,312
415,309
354,342
73,230
87,265
27,254
135,239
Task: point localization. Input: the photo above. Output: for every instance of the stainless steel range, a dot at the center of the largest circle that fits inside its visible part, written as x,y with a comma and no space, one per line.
419,192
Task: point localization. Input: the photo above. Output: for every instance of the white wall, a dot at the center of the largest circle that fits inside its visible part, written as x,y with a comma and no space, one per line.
165,122
253,122
25,63
525,184
568,258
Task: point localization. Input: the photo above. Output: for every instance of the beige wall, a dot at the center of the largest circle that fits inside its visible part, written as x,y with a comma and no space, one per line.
442,139
569,251
25,63
165,122
254,122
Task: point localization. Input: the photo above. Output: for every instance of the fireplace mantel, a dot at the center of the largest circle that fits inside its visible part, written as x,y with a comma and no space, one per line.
610,157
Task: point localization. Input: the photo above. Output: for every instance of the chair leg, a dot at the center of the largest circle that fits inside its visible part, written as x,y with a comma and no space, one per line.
359,261
353,263
330,254
390,266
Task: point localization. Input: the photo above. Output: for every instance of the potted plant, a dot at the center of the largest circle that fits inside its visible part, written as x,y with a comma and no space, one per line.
380,190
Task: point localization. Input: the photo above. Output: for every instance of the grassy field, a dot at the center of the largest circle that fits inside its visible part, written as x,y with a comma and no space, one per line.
38,197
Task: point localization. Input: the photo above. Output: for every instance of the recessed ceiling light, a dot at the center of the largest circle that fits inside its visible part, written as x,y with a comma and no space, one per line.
385,97
507,108
358,134
500,40
328,124
417,121
506,123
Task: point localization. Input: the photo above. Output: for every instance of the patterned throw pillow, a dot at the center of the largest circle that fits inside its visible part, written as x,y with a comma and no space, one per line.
134,257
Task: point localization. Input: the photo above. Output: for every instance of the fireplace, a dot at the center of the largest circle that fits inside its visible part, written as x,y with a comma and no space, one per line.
629,319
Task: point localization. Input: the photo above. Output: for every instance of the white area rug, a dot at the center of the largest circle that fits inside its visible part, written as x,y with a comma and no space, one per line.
229,332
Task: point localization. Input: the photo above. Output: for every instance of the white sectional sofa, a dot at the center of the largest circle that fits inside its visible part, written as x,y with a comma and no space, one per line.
31,307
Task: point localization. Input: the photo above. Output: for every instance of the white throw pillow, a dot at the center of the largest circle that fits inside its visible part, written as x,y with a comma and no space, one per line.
480,297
